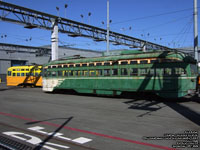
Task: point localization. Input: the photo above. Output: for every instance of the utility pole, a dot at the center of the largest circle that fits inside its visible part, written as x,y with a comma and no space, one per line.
108,27
54,40
196,31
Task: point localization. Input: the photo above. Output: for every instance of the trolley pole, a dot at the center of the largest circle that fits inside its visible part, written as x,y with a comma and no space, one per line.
196,31
108,27
54,40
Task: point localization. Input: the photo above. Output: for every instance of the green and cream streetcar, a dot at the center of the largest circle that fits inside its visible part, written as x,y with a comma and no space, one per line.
169,74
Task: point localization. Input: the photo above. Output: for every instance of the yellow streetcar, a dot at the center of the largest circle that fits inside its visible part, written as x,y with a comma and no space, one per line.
24,76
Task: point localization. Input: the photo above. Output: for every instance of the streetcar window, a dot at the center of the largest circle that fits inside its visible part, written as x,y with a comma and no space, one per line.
14,74
151,72
66,73
143,71
106,72
70,73
60,66
59,73
27,74
71,65
22,74
75,73
78,65
18,69
84,65
53,74
98,72
79,73
14,69
85,73
143,61
48,67
92,73
98,64
114,72
124,72
106,64
27,69
154,61
177,71
134,71
180,71
115,63
124,63
18,74
65,66
133,62
183,71
9,73
53,66
167,71
22,69
92,64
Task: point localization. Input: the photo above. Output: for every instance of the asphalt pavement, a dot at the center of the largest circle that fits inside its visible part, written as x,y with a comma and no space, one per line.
33,119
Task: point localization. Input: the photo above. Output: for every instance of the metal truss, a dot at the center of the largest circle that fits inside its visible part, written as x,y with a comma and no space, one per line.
34,19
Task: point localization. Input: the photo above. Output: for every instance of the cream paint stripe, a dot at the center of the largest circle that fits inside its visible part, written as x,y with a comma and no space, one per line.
61,79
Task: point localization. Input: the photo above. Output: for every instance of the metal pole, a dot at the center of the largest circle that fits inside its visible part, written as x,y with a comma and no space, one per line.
196,31
54,40
108,26
65,12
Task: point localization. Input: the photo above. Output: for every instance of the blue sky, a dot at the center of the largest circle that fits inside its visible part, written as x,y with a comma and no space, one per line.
165,22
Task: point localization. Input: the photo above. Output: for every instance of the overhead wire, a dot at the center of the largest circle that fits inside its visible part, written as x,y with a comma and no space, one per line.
186,33
182,32
156,15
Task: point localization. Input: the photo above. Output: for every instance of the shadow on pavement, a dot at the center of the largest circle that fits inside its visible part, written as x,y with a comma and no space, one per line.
152,103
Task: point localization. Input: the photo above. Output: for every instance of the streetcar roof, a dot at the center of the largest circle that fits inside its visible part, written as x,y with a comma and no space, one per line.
180,56
24,67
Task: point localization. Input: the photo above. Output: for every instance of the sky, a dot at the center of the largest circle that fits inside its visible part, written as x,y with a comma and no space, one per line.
165,22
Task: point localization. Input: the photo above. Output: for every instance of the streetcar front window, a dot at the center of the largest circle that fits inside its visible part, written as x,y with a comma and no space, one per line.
194,69
9,73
